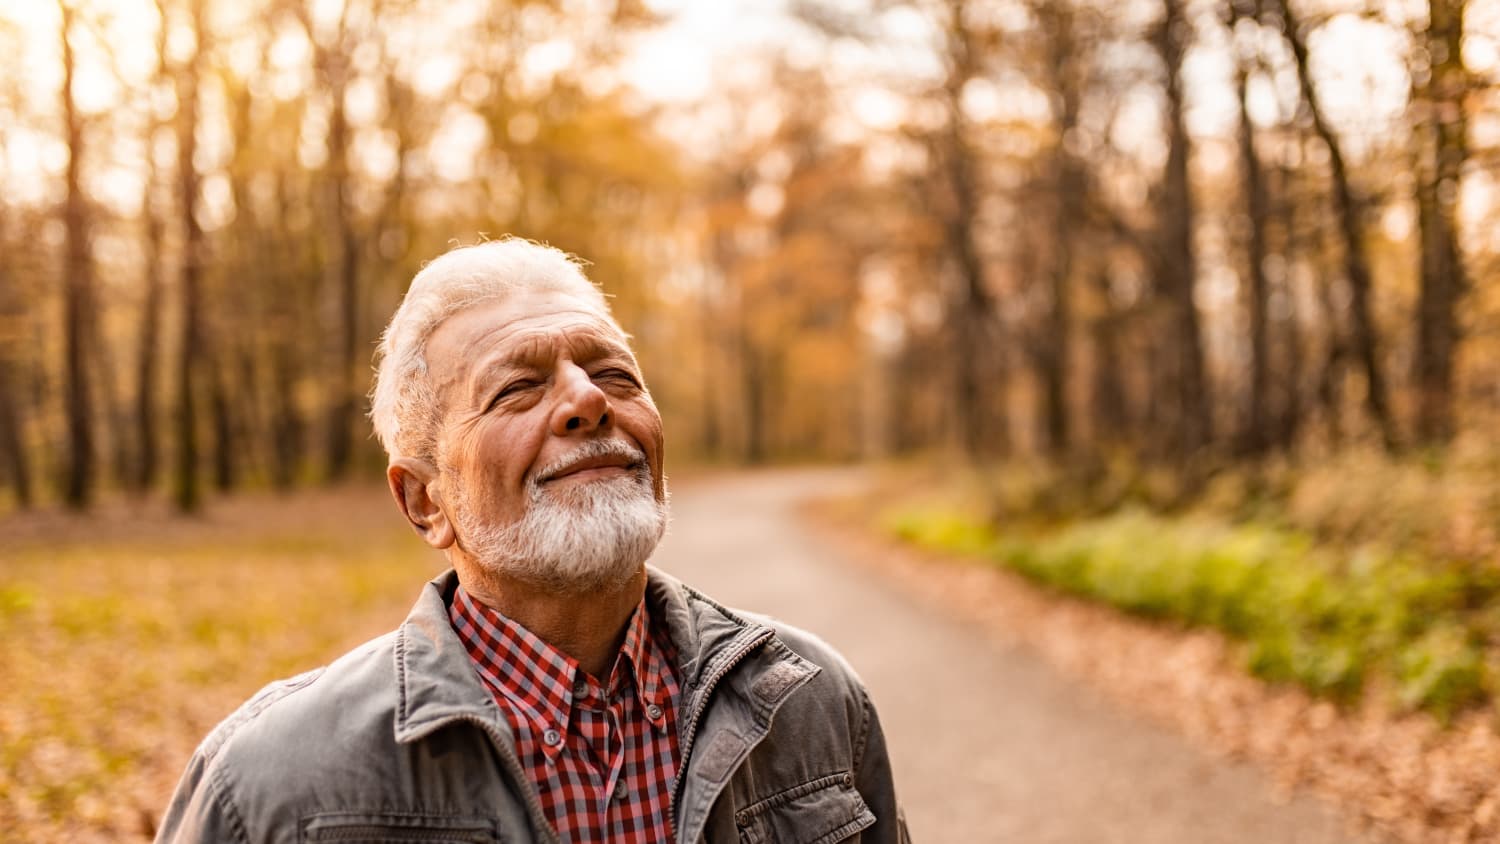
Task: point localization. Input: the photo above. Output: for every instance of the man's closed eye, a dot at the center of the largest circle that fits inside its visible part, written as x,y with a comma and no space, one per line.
617,376
510,390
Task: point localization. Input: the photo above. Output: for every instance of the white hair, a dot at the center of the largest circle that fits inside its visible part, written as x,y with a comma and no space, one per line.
403,407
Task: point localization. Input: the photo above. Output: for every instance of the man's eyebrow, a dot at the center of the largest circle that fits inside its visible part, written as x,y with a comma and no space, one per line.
604,347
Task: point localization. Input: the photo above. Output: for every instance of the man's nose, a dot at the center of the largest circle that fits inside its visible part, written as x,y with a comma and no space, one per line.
581,406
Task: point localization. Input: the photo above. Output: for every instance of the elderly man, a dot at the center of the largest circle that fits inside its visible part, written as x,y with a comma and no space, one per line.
551,686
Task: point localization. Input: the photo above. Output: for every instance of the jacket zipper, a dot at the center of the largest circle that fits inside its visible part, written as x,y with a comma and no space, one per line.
708,688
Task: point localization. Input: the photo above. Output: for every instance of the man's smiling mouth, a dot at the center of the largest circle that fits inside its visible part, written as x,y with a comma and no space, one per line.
614,462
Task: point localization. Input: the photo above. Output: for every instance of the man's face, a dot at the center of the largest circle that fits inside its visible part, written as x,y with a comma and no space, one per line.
550,448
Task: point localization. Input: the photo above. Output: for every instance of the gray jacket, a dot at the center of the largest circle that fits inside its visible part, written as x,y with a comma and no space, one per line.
399,741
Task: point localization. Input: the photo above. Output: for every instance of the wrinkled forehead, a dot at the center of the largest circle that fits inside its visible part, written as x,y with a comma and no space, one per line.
526,328
537,343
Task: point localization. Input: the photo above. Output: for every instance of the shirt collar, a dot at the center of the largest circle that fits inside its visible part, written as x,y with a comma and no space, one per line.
539,679
647,655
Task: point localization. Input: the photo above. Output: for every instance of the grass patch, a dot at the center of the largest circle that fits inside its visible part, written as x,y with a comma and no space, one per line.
1307,614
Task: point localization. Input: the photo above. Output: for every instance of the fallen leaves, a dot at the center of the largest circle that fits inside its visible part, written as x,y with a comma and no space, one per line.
125,645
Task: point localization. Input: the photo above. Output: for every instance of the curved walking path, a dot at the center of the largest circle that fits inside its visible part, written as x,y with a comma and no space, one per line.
988,742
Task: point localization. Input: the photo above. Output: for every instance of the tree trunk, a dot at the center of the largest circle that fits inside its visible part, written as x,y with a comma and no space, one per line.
78,293
147,351
1257,435
344,269
12,401
1331,375
222,414
1110,415
12,443
1442,146
753,377
1184,386
286,422
1290,408
970,310
117,412
726,261
1364,336
971,317
186,490
147,344
287,359
1068,183
149,340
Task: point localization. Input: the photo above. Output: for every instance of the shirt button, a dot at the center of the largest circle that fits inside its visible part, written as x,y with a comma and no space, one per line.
552,738
653,711
580,688
620,790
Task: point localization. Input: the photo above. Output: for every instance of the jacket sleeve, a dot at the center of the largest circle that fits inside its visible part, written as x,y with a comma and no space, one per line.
200,810
876,783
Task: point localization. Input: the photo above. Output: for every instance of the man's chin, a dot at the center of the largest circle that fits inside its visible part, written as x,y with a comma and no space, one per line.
592,536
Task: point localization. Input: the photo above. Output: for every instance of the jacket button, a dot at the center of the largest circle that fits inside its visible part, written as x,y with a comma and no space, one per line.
848,780
742,819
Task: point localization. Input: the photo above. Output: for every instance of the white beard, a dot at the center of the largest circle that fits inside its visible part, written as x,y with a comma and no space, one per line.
586,536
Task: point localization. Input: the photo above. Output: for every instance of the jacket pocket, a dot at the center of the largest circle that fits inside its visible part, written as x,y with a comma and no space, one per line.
399,828
822,811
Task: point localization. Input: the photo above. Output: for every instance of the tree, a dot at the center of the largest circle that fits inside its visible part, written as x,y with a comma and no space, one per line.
148,342
1181,387
333,64
1364,338
78,287
1257,435
1441,130
343,399
978,365
1067,181
186,486
12,403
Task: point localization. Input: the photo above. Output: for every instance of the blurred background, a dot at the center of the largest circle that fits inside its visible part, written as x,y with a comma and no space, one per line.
1186,306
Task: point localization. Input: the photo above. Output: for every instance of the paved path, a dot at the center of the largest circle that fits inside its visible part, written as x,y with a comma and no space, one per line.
988,743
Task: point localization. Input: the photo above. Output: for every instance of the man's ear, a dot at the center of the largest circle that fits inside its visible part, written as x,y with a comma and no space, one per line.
414,484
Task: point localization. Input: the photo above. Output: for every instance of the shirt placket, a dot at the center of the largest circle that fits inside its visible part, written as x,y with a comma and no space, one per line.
605,738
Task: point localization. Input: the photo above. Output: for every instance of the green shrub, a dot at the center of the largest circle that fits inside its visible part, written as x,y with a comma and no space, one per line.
1442,671
1307,615
943,531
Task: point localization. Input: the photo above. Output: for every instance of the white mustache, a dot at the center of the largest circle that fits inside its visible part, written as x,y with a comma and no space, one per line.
589,450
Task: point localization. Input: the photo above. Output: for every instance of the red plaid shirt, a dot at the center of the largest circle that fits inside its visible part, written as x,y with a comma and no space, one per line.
603,756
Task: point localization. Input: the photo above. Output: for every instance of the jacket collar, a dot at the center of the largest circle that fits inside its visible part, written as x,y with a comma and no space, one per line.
436,683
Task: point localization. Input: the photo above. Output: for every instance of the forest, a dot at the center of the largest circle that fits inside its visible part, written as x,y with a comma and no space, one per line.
1188,309
1182,234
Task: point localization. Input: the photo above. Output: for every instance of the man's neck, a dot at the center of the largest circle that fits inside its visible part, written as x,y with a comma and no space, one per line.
587,626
